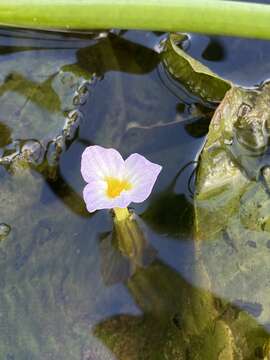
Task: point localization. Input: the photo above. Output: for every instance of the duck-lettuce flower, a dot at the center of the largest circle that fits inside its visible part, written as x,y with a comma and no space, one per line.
114,182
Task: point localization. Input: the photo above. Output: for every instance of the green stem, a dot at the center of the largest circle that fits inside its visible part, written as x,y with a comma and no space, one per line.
121,214
202,16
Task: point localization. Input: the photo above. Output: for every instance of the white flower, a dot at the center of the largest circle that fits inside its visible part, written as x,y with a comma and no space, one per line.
114,182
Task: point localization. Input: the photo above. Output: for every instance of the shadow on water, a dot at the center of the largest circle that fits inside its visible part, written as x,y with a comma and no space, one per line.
67,293
172,213
186,324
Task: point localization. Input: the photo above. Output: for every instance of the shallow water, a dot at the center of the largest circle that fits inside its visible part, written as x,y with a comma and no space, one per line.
64,290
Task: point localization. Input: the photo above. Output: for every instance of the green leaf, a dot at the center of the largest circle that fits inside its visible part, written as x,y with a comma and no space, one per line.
193,75
232,204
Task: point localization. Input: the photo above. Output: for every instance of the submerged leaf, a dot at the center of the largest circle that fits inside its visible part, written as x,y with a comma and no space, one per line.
39,114
232,203
195,77
178,321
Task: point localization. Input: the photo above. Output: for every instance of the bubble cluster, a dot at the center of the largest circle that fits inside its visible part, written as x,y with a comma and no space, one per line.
73,93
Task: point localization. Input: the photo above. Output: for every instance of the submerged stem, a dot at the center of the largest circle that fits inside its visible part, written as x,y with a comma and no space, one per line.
121,213
202,16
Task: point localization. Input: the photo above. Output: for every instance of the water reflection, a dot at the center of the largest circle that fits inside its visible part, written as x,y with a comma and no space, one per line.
172,213
114,53
243,61
214,51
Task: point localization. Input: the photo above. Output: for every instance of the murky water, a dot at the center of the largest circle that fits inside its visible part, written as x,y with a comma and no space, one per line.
64,292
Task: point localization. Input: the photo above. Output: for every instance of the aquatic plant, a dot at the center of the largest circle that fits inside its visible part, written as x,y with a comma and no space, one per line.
203,16
113,183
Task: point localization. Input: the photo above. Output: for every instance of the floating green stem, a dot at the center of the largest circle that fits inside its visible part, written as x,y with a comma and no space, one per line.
201,16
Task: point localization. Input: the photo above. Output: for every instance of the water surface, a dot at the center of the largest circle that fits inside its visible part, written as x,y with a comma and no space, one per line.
62,296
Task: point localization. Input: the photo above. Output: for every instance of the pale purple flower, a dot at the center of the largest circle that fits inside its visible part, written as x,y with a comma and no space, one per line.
114,182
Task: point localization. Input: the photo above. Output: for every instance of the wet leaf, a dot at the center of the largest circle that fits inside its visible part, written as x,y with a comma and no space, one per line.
232,204
194,76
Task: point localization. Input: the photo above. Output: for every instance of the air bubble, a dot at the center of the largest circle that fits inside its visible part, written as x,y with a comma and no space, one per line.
228,141
94,79
72,123
83,89
76,100
54,150
11,151
33,152
81,95
102,35
161,46
266,172
4,230
243,110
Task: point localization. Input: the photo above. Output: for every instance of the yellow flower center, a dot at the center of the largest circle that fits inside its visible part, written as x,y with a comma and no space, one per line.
116,186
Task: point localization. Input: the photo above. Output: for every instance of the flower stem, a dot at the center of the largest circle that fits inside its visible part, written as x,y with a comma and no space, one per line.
130,238
202,16
121,213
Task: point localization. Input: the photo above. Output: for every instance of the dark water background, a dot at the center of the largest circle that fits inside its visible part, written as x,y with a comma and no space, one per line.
60,290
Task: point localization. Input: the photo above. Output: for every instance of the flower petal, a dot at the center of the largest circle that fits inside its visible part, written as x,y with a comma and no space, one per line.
122,201
98,163
142,174
94,195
